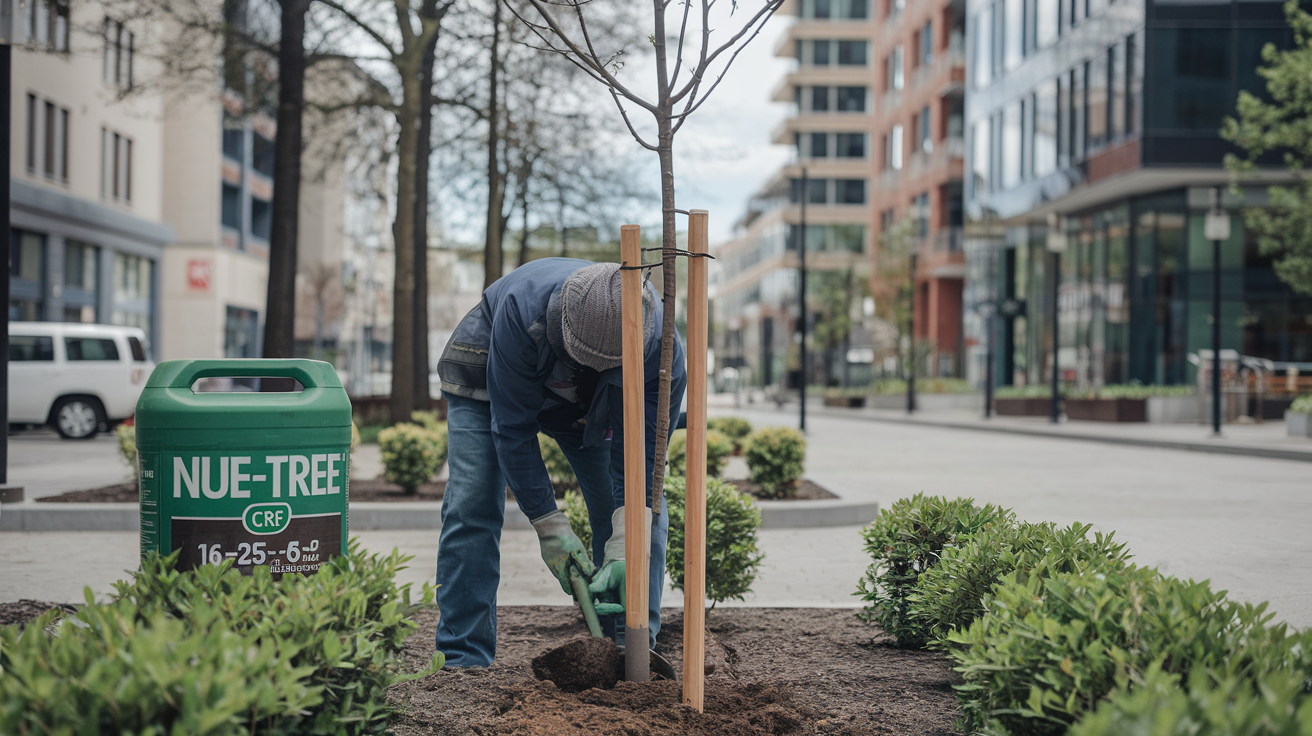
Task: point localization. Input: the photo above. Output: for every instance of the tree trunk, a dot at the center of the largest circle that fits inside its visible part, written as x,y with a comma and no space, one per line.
665,145
280,300
422,399
523,226
496,188
403,231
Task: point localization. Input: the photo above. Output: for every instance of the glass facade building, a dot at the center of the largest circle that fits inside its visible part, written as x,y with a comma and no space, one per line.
1101,119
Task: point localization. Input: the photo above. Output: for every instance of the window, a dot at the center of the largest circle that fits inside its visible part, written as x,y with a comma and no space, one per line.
1045,128
1134,75
1013,33
32,129
1095,72
850,145
840,9
139,353
1077,109
850,191
47,23
852,53
131,278
926,44
31,348
984,47
261,218
893,156
1045,22
1116,84
1011,140
851,99
886,219
231,207
115,166
234,139
79,266
29,257
819,145
262,154
819,99
850,238
116,69
920,211
924,140
47,138
820,52
90,348
1194,63
896,71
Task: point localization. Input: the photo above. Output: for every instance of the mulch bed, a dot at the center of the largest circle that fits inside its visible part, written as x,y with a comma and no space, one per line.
775,671
117,493
20,612
806,491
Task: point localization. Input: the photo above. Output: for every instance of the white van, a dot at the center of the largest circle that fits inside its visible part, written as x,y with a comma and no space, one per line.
80,378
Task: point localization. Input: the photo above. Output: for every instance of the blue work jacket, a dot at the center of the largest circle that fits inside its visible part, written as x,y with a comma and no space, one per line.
509,351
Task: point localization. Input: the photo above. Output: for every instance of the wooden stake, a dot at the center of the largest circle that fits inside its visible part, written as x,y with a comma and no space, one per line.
637,544
694,525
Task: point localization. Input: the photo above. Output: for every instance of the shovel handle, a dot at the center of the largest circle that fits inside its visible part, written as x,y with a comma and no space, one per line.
584,597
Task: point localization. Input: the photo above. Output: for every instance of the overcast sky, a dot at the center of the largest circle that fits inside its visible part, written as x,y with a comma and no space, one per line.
723,155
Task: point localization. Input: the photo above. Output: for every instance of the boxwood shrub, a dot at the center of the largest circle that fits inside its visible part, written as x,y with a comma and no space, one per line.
776,457
904,542
718,450
735,428
733,559
412,454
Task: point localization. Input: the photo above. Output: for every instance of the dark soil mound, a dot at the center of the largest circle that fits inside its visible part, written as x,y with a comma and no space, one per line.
806,491
378,489
651,708
770,671
581,664
25,610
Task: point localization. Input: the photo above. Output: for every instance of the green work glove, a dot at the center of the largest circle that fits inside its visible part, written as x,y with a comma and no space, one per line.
561,547
608,584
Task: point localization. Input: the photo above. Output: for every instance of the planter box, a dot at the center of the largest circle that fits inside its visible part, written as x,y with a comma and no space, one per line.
930,402
1173,410
1107,410
847,402
1023,407
1298,425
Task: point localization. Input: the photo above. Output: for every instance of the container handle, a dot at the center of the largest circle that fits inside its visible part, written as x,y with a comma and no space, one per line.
195,370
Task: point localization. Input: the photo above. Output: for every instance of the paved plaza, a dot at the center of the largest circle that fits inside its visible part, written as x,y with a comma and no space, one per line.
1243,522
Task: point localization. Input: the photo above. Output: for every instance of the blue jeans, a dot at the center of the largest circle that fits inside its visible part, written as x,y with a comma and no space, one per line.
473,512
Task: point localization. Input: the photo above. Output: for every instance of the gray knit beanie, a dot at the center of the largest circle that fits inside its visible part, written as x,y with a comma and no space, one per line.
592,316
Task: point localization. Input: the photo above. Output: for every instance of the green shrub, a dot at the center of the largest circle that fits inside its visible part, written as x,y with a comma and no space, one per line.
1033,391
369,433
107,670
212,651
1049,650
412,455
718,450
126,434
735,428
732,523
348,622
1302,405
776,456
904,542
894,386
558,467
576,510
1164,704
952,593
355,437
1132,391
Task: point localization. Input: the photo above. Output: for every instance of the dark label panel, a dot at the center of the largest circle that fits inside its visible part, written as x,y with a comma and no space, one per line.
305,544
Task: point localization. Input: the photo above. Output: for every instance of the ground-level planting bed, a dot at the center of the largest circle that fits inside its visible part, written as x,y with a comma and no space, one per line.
776,671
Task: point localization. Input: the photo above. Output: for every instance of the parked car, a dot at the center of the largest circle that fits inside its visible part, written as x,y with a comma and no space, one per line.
79,378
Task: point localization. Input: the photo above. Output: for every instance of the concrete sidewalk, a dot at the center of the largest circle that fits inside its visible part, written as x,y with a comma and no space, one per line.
802,567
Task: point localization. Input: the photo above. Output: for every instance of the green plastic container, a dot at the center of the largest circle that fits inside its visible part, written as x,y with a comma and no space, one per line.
261,479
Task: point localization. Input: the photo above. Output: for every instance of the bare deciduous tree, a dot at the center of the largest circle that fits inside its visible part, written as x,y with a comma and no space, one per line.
563,26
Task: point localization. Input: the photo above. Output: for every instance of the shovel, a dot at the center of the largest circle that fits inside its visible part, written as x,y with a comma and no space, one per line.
660,666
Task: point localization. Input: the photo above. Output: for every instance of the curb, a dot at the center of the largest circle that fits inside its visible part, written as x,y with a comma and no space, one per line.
30,516
1269,453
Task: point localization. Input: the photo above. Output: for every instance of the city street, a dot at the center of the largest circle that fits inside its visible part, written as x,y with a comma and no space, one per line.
1243,522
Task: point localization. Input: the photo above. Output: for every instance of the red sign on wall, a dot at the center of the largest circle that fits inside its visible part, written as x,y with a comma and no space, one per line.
198,275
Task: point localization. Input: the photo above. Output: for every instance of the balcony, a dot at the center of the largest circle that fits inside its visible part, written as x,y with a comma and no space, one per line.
945,241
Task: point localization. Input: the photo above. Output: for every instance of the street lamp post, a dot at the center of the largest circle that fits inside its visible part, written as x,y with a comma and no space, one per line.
1056,244
1216,227
911,341
801,301
7,492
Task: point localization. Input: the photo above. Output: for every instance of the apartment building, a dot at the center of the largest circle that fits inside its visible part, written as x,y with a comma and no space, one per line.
88,229
919,58
1101,118
830,89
